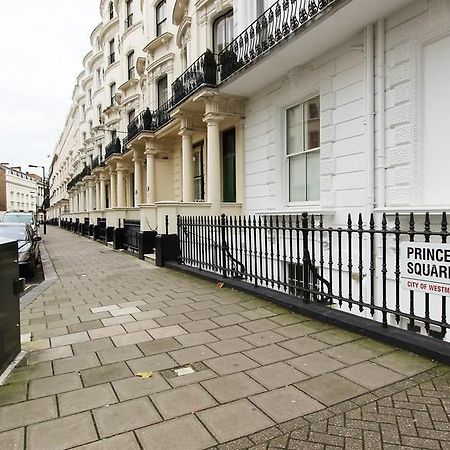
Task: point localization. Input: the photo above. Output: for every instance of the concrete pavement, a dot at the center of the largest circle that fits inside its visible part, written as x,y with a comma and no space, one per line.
228,370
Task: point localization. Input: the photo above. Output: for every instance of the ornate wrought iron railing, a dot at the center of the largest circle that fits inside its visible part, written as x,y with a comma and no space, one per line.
202,72
356,268
114,147
79,177
275,24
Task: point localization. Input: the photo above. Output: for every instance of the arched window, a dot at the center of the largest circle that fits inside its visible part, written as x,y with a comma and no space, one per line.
223,31
111,10
162,91
130,62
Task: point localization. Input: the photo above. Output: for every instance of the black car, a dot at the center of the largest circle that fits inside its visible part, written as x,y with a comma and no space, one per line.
27,243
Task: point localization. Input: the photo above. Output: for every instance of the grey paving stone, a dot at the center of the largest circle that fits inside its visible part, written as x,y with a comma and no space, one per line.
370,375
230,319
202,314
159,346
13,393
316,364
181,401
113,330
84,326
256,326
304,345
125,416
75,363
177,434
26,413
288,318
86,399
192,339
126,441
13,440
234,420
135,387
131,338
152,363
296,330
230,332
124,353
68,339
351,353
225,365
195,377
336,336
146,324
61,433
25,373
277,375
200,325
406,363
330,388
92,346
172,320
54,385
286,403
151,314
258,313
166,332
110,372
119,320
270,354
225,347
232,387
192,354
50,354
264,338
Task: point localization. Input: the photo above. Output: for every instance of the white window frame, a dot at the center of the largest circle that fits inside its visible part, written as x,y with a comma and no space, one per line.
286,157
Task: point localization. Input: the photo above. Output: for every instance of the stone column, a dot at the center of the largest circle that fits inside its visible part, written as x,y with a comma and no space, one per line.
150,153
97,194
137,159
120,186
91,195
113,189
102,192
188,165
213,175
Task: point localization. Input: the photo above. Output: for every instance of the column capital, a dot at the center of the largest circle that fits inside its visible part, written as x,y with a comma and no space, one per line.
137,155
213,118
184,131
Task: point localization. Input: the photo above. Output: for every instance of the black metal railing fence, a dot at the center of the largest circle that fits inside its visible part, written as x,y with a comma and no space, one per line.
279,21
355,268
131,234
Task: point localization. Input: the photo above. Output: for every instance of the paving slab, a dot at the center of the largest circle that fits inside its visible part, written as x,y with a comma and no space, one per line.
125,416
256,371
61,433
177,434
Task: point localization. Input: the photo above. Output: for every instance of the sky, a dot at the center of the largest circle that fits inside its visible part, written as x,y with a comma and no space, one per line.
42,45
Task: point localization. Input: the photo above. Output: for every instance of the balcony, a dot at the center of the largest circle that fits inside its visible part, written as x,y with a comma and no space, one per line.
113,148
97,162
129,21
79,177
203,72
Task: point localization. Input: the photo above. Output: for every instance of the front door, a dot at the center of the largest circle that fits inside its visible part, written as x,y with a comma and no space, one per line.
229,165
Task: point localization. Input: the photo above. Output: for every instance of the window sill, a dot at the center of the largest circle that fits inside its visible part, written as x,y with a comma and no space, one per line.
299,210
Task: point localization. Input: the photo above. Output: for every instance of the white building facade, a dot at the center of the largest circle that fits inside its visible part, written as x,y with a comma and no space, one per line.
18,190
270,109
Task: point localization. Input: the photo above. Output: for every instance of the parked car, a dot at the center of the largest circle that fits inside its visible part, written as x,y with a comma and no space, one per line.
20,217
28,245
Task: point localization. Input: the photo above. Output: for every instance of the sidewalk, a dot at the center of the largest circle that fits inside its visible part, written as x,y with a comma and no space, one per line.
256,375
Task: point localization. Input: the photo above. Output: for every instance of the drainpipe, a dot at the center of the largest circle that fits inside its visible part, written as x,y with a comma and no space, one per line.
381,115
370,121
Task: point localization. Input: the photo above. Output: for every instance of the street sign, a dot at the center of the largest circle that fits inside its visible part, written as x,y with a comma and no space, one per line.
425,267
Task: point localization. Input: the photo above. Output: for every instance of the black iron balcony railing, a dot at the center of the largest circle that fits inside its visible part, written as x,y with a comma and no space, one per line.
97,162
129,21
79,177
202,72
114,147
278,22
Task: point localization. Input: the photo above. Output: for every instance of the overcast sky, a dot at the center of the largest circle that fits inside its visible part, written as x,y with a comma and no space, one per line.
42,44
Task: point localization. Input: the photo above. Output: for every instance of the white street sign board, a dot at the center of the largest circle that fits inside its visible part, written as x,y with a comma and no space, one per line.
425,267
